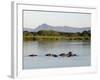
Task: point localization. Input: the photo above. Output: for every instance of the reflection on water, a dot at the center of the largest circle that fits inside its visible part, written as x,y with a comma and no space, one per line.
55,47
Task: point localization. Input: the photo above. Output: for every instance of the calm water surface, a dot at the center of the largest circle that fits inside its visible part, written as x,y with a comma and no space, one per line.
82,49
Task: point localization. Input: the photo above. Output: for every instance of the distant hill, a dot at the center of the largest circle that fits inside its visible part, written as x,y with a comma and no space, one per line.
57,28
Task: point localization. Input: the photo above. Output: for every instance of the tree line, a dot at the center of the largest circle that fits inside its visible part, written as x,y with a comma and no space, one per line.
50,34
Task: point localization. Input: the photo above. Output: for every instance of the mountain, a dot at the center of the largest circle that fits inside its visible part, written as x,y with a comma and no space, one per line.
58,28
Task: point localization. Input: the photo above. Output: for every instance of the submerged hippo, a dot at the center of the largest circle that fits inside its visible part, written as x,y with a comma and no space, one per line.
74,55
62,54
69,54
32,55
54,55
48,55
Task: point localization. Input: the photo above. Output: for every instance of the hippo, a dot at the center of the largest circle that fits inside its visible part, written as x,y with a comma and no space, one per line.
48,55
62,54
74,55
32,55
69,54
54,55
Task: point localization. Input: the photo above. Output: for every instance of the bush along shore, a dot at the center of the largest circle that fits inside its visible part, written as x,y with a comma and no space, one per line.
54,35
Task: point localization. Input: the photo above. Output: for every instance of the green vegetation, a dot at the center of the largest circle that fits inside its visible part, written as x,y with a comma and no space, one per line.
54,35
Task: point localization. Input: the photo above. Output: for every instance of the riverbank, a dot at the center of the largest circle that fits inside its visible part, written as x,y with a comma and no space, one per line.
39,38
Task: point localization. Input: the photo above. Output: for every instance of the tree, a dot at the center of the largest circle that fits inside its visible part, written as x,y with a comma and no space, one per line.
48,33
86,33
26,33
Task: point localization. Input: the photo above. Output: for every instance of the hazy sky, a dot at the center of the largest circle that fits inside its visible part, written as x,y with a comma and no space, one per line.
33,19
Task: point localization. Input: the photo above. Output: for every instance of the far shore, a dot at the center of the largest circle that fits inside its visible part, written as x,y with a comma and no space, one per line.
55,38
54,35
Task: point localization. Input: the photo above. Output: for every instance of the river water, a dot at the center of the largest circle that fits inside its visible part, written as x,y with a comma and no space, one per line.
82,49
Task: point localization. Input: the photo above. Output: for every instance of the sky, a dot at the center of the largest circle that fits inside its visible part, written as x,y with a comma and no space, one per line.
33,19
